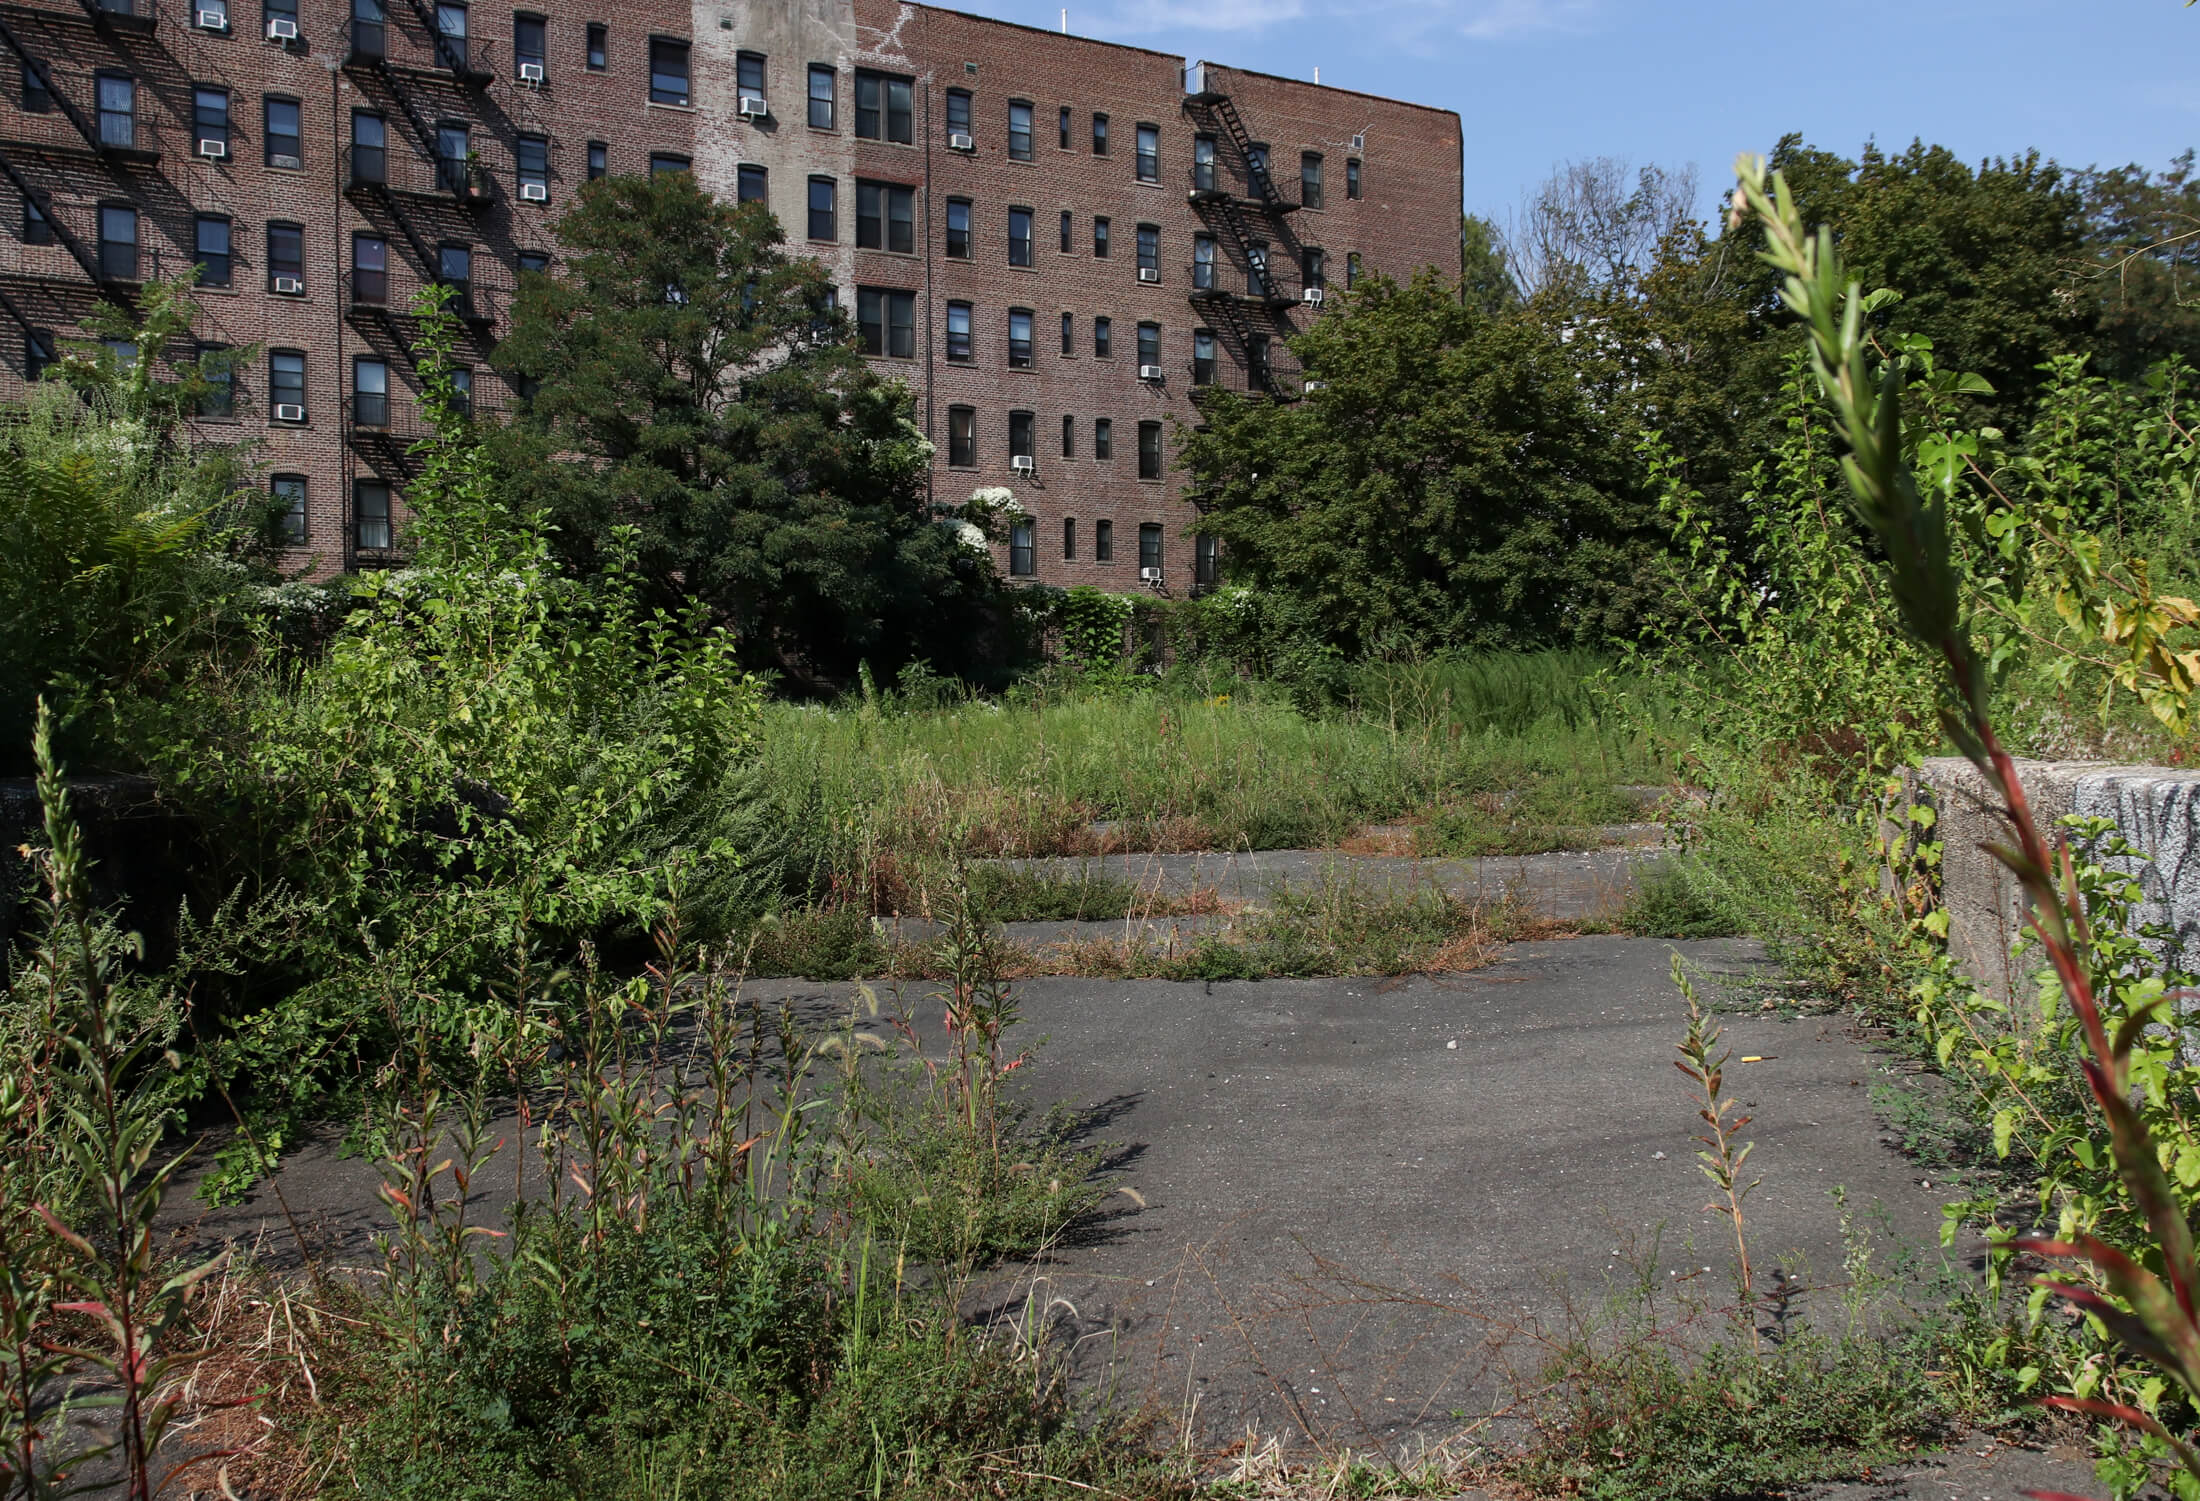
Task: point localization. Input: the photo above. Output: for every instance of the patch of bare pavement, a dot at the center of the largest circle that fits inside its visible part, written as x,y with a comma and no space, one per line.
1364,1207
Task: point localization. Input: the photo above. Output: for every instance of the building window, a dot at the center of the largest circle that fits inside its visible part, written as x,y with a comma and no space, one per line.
534,261
1149,252
1149,467
370,269
370,515
1256,359
369,148
1313,268
450,34
1099,135
664,162
454,144
286,384
123,352
1065,127
888,321
1352,177
37,98
530,46
1019,338
1310,180
218,396
752,184
1069,538
288,491
958,229
599,46
1069,335
1069,228
1206,561
210,119
1019,237
117,97
884,110
1203,357
37,228
531,155
462,390
1203,263
1019,435
1103,447
210,239
599,160
1256,166
1099,237
824,96
958,117
370,392
886,217
1022,548
1149,534
1069,437
285,146
962,437
118,242
958,332
1103,541
1103,338
1203,163
454,268
286,258
824,209
668,70
1019,131
368,29
748,72
1256,270
1149,344
1149,153
1351,270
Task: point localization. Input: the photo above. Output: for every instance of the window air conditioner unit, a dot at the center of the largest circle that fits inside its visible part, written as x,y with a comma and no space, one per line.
1024,463
212,20
1149,575
1149,273
290,286
754,107
961,141
1149,372
535,192
1314,385
1312,297
282,29
284,412
530,73
214,149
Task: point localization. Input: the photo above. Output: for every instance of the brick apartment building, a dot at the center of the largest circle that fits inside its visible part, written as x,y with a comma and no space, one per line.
1058,243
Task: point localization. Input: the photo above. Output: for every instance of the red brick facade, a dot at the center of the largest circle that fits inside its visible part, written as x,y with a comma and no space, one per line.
1389,196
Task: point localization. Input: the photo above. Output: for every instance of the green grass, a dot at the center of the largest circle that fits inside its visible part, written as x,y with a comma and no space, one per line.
886,791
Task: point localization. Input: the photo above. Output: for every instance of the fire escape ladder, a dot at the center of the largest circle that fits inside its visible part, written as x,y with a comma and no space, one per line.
423,254
54,91
61,231
422,128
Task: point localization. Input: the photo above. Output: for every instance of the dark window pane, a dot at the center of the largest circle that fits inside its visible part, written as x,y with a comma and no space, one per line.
958,229
823,97
958,331
824,209
1149,467
1099,135
284,148
289,494
1103,447
751,185
118,242
668,71
1149,153
1019,237
1103,541
370,269
1019,132
370,514
1100,238
962,437
599,46
212,246
599,160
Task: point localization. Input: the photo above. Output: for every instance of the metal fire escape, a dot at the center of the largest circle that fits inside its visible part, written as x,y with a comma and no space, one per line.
1237,221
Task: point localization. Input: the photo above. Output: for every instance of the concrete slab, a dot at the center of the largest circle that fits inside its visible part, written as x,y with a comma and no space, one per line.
1368,1205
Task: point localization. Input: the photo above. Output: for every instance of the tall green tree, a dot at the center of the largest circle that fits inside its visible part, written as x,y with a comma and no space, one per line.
1449,486
687,377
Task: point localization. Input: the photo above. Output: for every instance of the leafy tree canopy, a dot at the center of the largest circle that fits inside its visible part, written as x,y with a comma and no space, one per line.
1450,486
690,379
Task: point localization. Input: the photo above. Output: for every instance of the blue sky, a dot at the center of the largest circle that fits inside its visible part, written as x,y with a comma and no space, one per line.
1679,81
